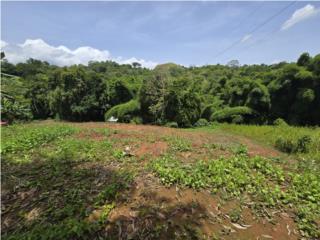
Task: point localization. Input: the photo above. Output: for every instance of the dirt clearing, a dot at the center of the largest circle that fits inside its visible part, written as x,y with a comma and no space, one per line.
105,181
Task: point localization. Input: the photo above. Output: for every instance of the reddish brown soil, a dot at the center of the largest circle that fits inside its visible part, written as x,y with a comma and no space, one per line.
198,139
151,204
151,208
90,135
154,149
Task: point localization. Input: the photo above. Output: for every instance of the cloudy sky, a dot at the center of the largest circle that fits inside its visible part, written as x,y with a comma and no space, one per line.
188,33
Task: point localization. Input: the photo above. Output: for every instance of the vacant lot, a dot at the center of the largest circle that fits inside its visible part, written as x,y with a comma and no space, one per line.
121,181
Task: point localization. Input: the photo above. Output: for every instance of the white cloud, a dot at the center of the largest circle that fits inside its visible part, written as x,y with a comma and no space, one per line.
300,15
246,37
3,44
61,55
144,63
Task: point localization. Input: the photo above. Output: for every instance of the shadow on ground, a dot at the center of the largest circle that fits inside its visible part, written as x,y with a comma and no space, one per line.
52,199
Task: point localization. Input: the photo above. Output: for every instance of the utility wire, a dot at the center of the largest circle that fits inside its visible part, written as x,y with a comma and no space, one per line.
247,16
255,29
261,40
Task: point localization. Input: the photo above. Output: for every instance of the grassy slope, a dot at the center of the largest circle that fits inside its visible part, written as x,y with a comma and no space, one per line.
269,135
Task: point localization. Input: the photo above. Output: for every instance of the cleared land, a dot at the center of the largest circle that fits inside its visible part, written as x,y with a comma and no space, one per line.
122,181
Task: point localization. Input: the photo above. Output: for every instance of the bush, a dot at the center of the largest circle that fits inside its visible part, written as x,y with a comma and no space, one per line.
202,122
301,145
172,124
241,150
183,107
280,122
13,111
136,120
208,110
231,114
285,145
237,119
124,112
125,118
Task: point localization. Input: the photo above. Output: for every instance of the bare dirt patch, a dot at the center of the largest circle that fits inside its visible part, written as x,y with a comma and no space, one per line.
155,149
198,139
154,211
91,135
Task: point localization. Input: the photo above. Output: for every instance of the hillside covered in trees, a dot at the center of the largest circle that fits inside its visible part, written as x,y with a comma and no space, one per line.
167,95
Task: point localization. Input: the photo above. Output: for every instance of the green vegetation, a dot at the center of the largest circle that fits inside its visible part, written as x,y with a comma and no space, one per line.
303,142
172,124
56,170
124,112
30,137
279,122
202,122
235,114
264,181
179,144
15,105
301,145
68,181
63,180
257,94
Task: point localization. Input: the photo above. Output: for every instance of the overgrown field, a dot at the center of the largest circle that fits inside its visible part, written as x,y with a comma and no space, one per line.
303,142
124,181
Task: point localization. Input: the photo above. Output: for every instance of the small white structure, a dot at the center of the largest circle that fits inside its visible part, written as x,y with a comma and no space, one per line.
113,119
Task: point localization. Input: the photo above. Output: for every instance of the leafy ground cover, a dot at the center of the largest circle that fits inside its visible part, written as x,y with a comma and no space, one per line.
285,137
19,137
124,181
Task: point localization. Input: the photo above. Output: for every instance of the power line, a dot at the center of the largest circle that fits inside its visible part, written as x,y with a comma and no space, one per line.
255,29
261,40
247,16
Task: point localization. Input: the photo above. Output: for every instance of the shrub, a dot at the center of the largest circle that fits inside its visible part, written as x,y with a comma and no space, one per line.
136,120
301,145
280,122
182,106
285,145
12,110
202,122
172,124
241,149
232,113
237,119
125,111
208,110
125,118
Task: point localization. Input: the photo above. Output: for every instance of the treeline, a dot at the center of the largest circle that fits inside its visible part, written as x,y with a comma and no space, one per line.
168,95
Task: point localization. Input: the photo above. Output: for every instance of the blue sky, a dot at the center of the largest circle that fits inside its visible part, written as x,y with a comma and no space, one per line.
188,33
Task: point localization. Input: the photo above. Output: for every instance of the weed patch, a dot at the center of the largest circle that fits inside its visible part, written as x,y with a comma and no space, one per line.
289,145
179,144
19,138
257,176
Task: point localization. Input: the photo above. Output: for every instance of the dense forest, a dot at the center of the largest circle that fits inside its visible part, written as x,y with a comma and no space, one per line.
170,94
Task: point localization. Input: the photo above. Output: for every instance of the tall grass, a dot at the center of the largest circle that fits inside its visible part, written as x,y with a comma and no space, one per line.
270,134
